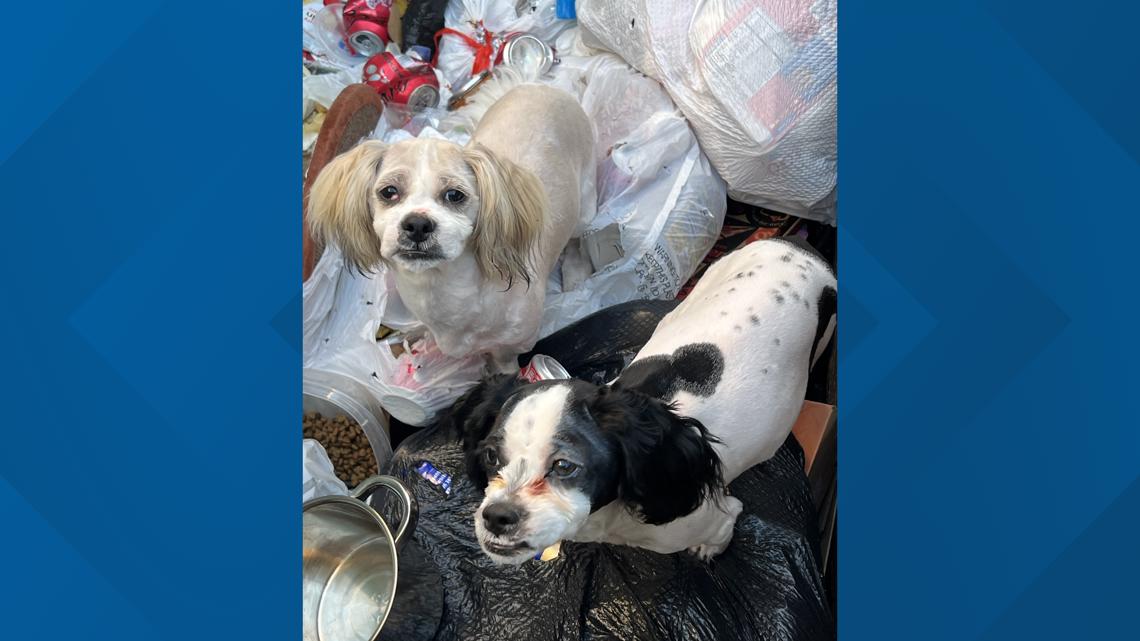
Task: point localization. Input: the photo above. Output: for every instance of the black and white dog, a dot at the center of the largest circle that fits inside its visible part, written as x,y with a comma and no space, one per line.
645,460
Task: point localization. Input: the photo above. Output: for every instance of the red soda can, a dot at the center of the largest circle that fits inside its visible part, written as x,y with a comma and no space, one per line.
366,23
402,80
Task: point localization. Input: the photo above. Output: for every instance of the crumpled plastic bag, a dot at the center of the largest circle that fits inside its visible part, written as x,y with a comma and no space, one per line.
323,38
757,81
660,204
343,313
317,476
500,17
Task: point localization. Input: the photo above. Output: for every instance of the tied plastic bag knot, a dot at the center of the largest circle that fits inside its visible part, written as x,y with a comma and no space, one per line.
457,59
487,51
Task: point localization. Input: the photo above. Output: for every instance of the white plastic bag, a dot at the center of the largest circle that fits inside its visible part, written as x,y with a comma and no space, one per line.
317,476
343,312
755,78
323,36
660,204
500,17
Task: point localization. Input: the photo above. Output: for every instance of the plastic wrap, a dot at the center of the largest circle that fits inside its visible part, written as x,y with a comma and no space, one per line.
500,17
342,314
765,586
323,37
317,476
660,204
757,81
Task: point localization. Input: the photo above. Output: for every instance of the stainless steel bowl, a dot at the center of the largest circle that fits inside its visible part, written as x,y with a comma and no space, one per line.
350,562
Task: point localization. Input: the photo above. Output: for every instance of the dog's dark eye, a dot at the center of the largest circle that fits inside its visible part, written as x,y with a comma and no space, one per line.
564,469
390,193
491,459
454,196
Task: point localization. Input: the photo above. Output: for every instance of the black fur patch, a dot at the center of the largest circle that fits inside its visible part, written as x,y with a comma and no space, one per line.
695,368
668,466
825,310
471,417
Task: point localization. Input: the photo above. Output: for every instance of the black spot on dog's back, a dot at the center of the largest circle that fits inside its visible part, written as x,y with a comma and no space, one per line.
803,245
695,368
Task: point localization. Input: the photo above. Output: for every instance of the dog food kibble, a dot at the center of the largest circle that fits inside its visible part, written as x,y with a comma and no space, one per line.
346,444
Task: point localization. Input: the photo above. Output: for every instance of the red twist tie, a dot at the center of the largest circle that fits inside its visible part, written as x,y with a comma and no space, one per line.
483,51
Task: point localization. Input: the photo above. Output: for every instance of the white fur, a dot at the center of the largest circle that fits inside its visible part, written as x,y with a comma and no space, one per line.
529,177
528,448
546,132
761,390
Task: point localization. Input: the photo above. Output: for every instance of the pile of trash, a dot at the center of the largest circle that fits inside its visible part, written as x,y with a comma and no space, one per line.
666,142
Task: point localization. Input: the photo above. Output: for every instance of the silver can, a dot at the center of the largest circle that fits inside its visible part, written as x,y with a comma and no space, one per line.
543,368
524,51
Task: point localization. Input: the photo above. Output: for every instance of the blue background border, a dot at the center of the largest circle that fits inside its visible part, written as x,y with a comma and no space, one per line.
988,445
149,465
151,181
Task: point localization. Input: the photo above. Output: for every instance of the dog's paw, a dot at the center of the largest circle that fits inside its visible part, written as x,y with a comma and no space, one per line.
721,534
706,552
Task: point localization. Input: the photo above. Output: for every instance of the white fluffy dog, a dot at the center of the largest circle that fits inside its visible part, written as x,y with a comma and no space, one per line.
471,232
645,460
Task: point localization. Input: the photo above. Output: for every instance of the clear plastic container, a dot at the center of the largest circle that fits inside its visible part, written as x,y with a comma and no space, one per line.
334,395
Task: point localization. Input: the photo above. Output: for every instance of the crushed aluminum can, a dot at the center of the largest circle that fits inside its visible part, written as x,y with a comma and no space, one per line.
543,368
366,23
402,80
466,90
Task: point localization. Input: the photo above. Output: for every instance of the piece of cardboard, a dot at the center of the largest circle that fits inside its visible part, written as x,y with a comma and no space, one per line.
816,432
812,427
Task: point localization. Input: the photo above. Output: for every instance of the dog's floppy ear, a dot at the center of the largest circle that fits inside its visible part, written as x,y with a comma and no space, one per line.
471,418
511,206
669,466
338,209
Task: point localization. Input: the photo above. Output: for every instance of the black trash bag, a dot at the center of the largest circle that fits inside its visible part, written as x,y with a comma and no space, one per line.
420,22
598,347
765,586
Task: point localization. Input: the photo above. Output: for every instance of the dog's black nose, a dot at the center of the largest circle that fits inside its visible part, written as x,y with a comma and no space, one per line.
501,518
417,227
